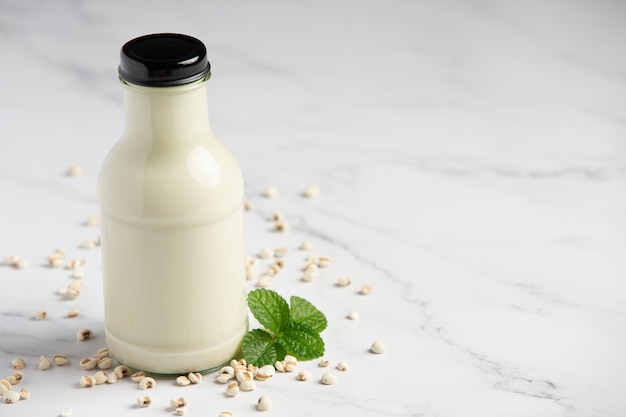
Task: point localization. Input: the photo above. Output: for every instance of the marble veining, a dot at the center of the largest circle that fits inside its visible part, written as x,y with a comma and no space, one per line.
470,157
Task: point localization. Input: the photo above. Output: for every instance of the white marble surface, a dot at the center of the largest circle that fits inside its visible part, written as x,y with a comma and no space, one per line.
471,160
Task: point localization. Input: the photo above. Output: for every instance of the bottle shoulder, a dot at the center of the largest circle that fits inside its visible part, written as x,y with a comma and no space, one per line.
188,179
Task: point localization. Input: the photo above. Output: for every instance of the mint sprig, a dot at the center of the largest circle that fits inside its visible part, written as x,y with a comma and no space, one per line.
269,308
259,347
288,329
303,312
301,341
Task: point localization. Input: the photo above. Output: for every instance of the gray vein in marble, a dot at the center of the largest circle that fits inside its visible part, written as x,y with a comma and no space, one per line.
83,73
509,21
301,224
49,185
503,377
506,378
593,174
539,292
408,295
379,406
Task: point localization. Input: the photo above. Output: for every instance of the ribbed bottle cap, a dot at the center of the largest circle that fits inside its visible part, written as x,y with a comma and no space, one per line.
163,60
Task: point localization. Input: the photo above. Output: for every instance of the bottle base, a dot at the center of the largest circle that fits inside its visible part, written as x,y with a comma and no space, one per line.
174,361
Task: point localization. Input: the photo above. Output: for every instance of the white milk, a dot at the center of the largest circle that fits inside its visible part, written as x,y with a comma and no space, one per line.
171,198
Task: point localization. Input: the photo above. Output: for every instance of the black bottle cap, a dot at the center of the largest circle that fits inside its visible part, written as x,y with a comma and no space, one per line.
163,60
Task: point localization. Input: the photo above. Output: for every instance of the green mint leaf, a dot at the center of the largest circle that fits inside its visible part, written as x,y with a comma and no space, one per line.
259,348
301,311
269,308
301,341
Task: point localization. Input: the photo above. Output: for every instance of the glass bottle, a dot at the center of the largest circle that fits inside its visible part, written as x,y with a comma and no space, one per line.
171,202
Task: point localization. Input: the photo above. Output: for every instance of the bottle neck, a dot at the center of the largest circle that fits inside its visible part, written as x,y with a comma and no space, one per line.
166,114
